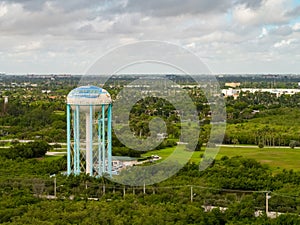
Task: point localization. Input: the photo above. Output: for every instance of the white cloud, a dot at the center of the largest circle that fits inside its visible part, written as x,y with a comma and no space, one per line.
18,21
264,32
3,9
296,27
67,36
270,12
284,43
34,45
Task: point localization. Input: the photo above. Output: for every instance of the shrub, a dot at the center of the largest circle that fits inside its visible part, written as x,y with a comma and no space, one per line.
293,144
28,150
261,145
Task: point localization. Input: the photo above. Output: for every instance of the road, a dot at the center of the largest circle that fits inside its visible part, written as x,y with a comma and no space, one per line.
55,153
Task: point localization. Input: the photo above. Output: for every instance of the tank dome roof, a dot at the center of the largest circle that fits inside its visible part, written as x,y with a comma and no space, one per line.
88,95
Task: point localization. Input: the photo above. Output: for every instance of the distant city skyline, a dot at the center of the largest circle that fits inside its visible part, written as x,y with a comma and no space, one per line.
229,36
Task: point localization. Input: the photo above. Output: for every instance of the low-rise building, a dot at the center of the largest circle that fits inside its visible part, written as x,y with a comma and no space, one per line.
121,162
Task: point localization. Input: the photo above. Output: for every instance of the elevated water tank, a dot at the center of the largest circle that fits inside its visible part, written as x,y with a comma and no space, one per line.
88,95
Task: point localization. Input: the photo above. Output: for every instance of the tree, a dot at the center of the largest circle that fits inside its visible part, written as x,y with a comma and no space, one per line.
191,146
29,150
293,144
235,141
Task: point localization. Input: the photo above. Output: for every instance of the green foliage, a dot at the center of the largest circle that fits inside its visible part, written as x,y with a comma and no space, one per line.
166,206
273,127
28,150
228,182
293,144
260,145
124,151
166,143
240,173
241,210
191,146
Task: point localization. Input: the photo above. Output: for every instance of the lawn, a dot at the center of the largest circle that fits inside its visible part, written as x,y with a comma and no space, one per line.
276,158
181,155
52,157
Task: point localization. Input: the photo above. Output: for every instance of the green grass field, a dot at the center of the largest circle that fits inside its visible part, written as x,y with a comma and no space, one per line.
276,158
53,157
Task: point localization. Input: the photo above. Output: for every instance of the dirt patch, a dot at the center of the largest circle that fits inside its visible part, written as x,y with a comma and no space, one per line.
265,161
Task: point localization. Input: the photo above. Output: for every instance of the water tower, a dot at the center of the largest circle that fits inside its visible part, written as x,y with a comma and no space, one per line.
89,112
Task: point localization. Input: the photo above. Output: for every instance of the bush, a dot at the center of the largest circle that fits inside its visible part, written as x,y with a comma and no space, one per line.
293,144
261,145
191,147
28,150
211,145
56,145
167,143
224,158
14,142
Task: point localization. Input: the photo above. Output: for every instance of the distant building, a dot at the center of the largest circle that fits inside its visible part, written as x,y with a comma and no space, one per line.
231,92
121,162
232,84
278,92
270,76
161,136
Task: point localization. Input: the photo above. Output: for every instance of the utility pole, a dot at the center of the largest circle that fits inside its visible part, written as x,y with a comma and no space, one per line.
53,175
55,186
267,202
192,194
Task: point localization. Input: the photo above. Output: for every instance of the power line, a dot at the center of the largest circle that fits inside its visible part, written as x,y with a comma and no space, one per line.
285,196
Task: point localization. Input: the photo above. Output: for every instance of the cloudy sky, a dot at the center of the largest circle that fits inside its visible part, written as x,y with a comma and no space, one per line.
230,36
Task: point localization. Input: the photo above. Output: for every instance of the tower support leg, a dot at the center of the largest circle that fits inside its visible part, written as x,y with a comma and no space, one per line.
89,141
109,139
68,141
103,139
